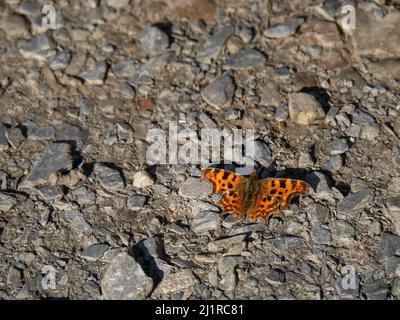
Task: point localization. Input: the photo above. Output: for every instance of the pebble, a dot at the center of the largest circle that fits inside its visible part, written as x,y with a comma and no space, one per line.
376,290
304,109
321,235
214,44
95,76
275,276
55,157
3,140
94,251
169,283
339,146
245,59
142,179
318,213
194,188
50,192
388,253
117,4
257,227
76,221
15,137
125,280
321,189
286,242
220,92
109,178
61,61
369,132
355,202
7,202
82,195
43,133
205,221
341,229
305,160
37,48
136,202
153,41
284,30
353,131
334,163
282,113
3,180
226,243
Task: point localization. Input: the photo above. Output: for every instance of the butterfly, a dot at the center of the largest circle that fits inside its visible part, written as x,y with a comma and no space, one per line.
252,198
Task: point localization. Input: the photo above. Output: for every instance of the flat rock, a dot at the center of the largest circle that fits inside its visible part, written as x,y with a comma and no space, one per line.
153,41
109,178
125,280
339,146
376,290
341,229
37,48
283,30
194,188
3,140
76,221
142,179
205,221
321,235
44,133
7,202
245,59
94,251
136,202
388,253
214,43
226,243
304,109
220,92
55,157
169,283
355,202
95,76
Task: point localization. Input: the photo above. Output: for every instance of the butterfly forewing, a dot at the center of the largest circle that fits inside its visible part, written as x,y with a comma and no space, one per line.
223,180
232,201
264,206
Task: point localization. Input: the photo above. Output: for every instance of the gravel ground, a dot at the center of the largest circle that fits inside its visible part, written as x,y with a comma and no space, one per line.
83,215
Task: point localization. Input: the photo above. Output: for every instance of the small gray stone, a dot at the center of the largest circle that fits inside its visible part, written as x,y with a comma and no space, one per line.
275,276
355,202
55,157
220,92
95,76
245,59
126,280
15,137
305,160
396,287
153,41
262,153
7,202
214,44
319,181
284,30
50,192
142,179
37,48
82,195
136,202
44,133
318,213
76,221
169,283
304,108
369,132
207,121
226,243
334,163
321,235
14,276
109,178
95,251
205,221
341,229
195,188
3,140
3,180
360,117
61,61
339,146
29,8
256,227
353,131
282,113
125,69
125,132
117,4
377,290
286,242
388,252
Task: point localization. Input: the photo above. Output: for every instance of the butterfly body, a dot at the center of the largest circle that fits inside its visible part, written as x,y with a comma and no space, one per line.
252,198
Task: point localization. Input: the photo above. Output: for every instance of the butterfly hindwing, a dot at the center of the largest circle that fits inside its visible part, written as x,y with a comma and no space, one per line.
283,189
223,180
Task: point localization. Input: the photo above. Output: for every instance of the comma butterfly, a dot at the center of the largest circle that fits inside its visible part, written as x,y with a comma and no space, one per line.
252,198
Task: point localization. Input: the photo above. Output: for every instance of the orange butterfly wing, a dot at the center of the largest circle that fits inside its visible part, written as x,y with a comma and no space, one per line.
275,194
231,185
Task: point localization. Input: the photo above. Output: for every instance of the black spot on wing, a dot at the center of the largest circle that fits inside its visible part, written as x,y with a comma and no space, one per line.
282,184
225,176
